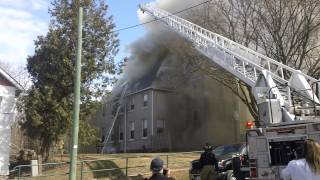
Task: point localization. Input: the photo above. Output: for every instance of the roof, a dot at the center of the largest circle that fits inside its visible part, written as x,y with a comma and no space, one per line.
149,88
145,81
11,79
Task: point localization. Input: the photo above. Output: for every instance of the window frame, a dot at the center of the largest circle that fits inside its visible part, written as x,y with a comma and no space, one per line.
131,130
121,134
145,100
112,136
144,129
131,104
162,128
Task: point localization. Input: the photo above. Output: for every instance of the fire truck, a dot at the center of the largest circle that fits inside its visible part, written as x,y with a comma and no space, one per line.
287,103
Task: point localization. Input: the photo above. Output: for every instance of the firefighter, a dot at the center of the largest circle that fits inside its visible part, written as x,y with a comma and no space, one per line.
208,164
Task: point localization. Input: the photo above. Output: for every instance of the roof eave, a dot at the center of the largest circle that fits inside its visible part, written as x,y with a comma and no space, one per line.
11,79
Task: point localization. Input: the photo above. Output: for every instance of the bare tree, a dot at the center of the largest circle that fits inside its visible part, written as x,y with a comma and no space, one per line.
231,19
19,73
286,30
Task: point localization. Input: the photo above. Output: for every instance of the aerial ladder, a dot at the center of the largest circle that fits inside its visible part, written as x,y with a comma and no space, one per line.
287,104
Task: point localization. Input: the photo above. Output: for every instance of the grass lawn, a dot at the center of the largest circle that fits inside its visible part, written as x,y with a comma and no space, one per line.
113,166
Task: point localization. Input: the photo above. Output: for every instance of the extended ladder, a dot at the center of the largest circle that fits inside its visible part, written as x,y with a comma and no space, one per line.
244,63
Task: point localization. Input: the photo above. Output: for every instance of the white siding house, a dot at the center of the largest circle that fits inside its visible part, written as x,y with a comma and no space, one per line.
8,91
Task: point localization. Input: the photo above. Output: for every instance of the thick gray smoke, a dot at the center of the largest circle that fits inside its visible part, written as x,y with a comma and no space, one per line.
170,6
144,52
163,58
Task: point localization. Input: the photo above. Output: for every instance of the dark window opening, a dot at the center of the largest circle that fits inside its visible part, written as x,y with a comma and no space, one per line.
131,130
112,136
121,136
145,132
131,103
102,139
160,126
144,128
160,130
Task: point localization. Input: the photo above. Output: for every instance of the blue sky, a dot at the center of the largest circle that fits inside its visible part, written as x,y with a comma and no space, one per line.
21,21
125,14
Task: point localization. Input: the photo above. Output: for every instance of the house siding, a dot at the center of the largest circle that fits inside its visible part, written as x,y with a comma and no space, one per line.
7,113
156,107
190,119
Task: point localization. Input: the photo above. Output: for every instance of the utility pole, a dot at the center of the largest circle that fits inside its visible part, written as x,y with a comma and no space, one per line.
76,103
125,128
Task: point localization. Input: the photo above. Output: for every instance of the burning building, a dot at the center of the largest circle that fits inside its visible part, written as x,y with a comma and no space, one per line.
165,104
161,111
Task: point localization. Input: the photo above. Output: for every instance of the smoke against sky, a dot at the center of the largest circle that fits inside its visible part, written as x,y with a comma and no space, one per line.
162,57
157,38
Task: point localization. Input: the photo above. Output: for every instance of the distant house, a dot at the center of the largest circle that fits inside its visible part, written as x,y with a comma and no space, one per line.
9,89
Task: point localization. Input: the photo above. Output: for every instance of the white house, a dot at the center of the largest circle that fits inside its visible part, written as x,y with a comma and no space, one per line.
9,88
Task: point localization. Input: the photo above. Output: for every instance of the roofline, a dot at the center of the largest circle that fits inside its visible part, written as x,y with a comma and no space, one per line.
148,88
136,92
11,79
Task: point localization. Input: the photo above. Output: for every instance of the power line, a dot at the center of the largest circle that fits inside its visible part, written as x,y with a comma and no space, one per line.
177,12
130,27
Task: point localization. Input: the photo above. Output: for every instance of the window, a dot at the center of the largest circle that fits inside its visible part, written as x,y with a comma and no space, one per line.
145,100
132,104
112,138
160,126
144,128
120,133
121,136
102,138
103,131
131,130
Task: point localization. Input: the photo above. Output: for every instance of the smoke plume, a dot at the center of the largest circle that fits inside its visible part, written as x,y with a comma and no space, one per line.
163,59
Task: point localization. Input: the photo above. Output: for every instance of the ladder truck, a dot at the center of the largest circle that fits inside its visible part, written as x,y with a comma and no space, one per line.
287,104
